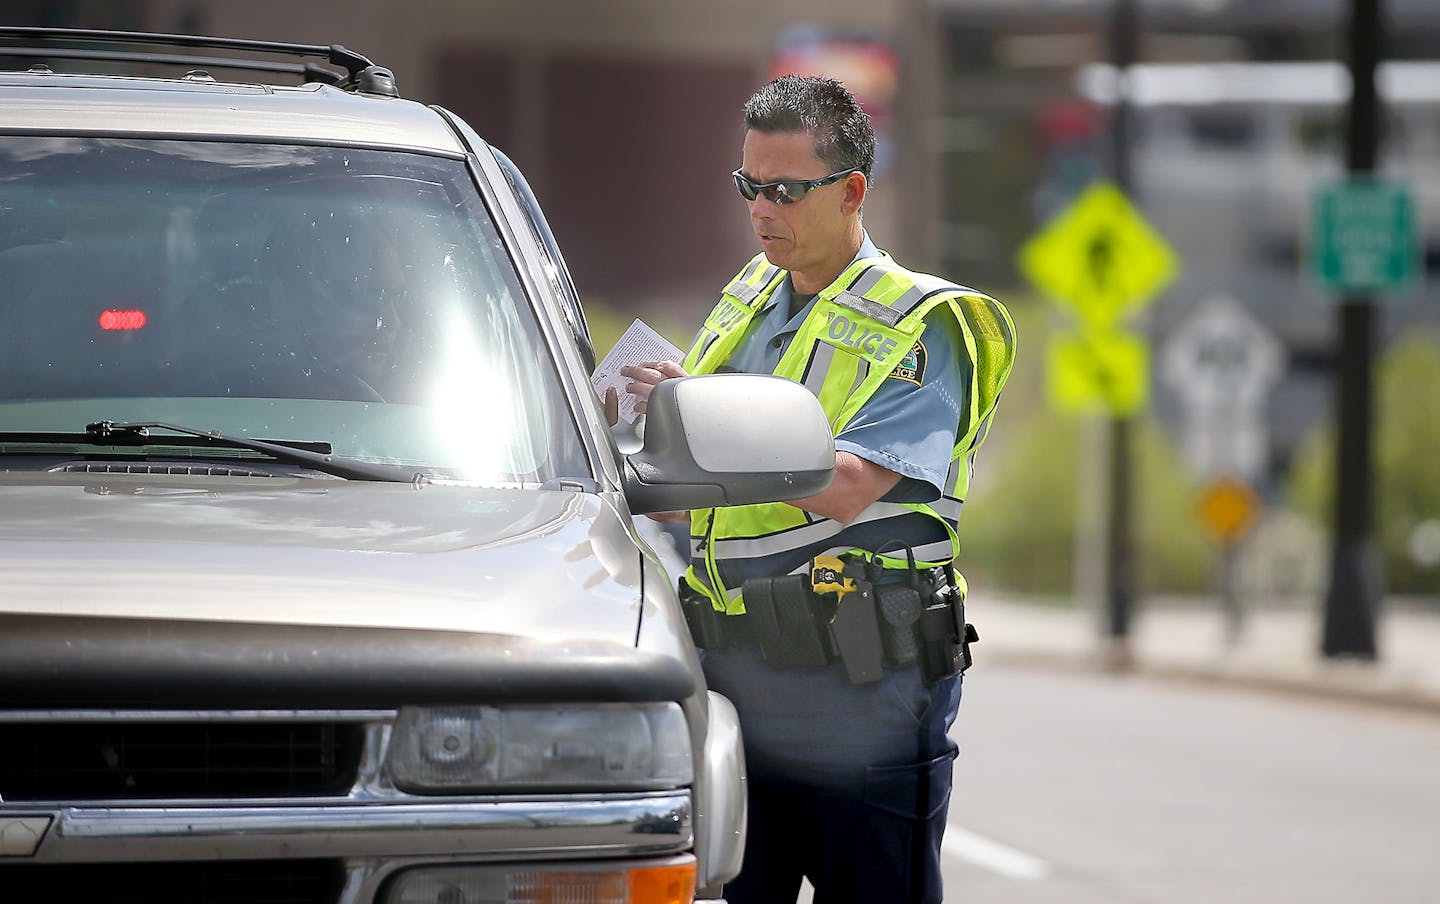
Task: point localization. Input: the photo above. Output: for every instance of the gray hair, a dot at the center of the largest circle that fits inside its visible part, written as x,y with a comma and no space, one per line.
843,136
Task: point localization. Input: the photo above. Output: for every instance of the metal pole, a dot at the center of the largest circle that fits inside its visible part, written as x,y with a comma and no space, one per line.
1230,594
1356,579
1119,558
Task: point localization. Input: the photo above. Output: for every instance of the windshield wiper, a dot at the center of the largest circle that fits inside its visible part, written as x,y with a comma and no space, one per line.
348,468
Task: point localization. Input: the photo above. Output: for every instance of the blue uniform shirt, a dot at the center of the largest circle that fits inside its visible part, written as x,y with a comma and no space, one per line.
908,426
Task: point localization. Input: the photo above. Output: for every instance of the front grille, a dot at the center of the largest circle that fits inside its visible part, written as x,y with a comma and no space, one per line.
237,882
124,760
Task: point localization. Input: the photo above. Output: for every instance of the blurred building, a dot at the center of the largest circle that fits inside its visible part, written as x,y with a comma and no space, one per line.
624,114
1239,116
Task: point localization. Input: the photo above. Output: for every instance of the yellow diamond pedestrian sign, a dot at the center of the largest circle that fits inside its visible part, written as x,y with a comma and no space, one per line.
1099,256
1098,372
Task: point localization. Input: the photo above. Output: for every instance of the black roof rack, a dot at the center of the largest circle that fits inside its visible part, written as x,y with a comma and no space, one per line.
360,73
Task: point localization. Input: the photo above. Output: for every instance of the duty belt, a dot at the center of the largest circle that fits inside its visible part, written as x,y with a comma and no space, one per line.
881,619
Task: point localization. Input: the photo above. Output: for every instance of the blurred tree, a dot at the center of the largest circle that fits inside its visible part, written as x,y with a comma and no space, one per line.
1407,466
1019,531
1019,528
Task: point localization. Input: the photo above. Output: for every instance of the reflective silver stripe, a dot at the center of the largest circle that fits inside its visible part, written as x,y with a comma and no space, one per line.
745,275
803,536
981,433
867,280
743,291
821,357
939,551
861,373
947,507
952,477
872,309
907,302
758,263
744,287
926,286
710,339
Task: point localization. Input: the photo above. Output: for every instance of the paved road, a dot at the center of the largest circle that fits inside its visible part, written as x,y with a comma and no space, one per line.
1090,789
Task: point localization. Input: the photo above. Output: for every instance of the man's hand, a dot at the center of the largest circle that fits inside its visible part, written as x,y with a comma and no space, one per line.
647,376
612,407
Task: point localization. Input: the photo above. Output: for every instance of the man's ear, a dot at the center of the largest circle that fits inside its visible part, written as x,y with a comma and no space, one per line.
856,185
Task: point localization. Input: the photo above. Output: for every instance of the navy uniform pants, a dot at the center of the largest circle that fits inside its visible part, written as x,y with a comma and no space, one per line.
848,785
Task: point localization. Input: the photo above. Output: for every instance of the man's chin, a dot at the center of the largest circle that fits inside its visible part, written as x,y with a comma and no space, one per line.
776,255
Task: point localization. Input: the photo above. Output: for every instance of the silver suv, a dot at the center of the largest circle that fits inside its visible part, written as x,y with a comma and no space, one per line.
318,575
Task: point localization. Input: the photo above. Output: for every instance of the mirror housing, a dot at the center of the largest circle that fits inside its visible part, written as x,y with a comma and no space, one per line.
729,439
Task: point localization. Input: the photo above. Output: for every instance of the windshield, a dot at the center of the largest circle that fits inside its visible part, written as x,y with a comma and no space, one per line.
353,297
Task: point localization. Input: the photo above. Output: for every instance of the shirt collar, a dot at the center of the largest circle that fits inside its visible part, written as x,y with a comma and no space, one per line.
867,249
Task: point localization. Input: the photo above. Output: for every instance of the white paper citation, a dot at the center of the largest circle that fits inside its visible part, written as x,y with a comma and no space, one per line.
639,345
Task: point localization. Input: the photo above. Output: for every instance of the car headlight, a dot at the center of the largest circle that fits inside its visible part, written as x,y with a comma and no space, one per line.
604,746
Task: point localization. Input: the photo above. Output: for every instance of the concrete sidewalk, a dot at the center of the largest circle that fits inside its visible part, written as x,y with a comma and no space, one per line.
1278,648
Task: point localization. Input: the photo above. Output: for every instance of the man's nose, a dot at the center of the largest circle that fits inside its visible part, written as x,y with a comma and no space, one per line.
762,208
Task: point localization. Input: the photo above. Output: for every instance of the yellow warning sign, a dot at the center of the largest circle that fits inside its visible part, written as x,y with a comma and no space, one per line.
1227,509
1098,372
1100,256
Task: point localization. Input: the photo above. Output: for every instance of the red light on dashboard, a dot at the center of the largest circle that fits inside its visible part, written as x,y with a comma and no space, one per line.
122,320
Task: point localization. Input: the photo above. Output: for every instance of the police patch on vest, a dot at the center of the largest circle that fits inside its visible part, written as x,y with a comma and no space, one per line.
911,368
858,336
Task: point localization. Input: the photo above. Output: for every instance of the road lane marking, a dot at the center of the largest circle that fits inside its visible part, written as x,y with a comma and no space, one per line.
992,855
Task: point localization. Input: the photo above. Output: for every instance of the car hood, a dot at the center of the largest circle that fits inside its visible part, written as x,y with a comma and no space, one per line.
545,565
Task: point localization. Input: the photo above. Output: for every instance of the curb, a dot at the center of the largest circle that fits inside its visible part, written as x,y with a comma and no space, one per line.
1341,682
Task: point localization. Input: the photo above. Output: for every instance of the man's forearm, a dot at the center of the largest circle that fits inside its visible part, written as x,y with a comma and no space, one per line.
857,485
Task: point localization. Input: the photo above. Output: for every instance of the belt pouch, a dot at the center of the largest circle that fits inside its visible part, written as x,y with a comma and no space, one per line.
778,615
900,609
701,618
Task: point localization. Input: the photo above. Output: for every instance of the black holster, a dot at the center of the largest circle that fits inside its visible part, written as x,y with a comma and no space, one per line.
944,636
706,625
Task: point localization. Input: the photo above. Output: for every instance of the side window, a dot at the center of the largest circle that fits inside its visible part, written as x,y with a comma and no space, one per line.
555,267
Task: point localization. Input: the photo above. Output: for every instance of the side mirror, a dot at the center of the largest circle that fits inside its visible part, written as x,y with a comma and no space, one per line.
729,439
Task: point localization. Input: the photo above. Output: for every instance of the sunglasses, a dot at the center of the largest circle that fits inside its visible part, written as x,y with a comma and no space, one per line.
787,191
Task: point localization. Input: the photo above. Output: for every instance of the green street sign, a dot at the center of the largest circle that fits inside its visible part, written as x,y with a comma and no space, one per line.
1364,237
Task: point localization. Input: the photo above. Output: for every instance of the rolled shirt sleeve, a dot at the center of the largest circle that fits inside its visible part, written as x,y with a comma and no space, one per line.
909,425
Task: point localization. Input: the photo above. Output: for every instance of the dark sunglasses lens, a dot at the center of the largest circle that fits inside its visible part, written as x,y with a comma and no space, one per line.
781,192
748,190
790,192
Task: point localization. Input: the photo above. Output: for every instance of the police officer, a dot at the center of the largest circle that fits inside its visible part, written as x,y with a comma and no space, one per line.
849,778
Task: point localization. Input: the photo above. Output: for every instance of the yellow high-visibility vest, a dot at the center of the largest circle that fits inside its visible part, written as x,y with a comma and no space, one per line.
861,327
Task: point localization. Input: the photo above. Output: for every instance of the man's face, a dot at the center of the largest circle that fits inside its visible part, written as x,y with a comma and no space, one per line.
803,236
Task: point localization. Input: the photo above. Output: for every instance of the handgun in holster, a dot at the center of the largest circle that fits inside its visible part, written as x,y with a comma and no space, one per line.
854,628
